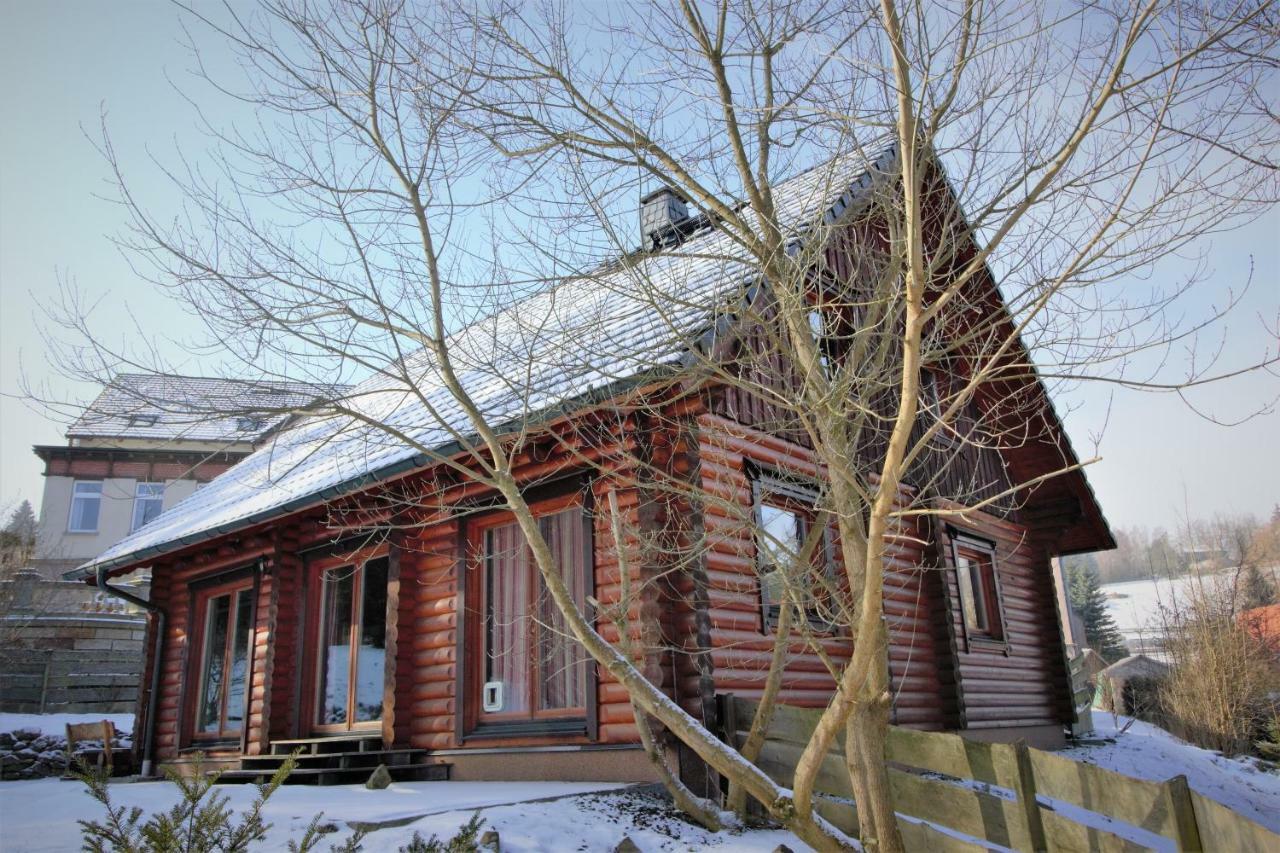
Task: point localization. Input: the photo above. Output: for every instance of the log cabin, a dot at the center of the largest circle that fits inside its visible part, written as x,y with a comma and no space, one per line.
350,591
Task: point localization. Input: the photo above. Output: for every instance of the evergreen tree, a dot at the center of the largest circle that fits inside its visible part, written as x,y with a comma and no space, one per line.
1088,602
18,538
1257,590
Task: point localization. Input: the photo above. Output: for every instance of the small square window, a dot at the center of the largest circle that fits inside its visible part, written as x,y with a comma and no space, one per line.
250,424
86,505
143,420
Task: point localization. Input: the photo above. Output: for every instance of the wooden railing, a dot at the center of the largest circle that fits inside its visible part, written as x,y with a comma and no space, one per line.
946,787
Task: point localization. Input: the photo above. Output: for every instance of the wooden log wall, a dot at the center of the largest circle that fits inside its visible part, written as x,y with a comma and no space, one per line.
1027,683
426,669
740,649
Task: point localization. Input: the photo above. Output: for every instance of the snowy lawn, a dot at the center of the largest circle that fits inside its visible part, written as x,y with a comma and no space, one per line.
1148,752
40,815
56,724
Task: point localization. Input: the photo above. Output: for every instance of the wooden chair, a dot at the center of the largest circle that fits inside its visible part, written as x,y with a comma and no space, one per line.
104,731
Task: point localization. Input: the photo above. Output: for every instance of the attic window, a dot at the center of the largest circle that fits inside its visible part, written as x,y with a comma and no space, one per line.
143,420
250,424
818,325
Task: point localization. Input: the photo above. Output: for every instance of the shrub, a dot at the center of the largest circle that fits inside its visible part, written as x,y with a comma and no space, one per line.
201,822
465,841
1219,694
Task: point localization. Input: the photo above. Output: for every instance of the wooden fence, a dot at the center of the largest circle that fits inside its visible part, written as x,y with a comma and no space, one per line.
1008,795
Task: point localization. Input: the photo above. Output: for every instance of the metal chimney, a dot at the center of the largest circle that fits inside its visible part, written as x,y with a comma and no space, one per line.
661,214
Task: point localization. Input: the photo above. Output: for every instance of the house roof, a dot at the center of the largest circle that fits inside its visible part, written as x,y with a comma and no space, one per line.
1136,666
586,338
168,408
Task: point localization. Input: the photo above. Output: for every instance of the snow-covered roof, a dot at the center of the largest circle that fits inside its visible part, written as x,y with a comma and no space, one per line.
1136,666
586,336
168,408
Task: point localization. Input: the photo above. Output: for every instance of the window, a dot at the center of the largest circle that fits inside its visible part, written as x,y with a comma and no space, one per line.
86,504
822,336
148,500
143,420
353,656
789,552
225,640
531,667
250,424
975,565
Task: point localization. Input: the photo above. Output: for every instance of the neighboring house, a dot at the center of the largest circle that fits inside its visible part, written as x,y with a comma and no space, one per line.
340,584
147,442
1129,686
1264,624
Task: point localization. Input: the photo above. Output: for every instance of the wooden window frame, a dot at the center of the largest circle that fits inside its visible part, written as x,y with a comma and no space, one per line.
801,499
201,593
471,723
966,545
318,561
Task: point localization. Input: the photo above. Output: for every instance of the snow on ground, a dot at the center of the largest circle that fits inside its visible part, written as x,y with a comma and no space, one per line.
1149,752
56,724
582,816
575,821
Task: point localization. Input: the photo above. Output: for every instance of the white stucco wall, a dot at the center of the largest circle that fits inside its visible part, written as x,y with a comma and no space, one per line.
115,516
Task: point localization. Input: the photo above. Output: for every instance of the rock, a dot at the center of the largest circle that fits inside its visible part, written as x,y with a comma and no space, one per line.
6,740
782,848
8,759
27,754
327,828
626,845
40,744
490,841
26,735
380,779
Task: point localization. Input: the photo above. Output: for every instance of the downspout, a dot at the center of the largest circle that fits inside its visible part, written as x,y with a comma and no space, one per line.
148,737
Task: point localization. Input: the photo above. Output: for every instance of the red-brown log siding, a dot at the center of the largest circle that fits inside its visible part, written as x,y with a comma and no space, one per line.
700,628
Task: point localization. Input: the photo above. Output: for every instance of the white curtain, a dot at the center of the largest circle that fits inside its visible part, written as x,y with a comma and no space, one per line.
526,633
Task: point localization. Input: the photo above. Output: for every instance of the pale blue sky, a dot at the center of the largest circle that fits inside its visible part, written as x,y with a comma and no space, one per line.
65,62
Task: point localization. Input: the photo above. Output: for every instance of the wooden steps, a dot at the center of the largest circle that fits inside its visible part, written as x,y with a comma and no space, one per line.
335,761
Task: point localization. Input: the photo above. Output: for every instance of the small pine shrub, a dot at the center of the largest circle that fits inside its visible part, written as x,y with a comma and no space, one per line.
201,822
1269,746
465,841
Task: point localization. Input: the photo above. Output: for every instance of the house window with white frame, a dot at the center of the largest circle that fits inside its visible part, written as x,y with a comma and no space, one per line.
86,506
148,500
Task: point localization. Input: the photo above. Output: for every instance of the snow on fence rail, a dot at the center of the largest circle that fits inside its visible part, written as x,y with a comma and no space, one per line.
1010,795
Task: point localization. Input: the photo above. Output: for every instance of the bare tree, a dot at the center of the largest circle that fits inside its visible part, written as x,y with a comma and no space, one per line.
416,170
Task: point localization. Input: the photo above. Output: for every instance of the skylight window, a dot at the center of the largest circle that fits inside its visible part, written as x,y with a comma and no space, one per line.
250,424
143,420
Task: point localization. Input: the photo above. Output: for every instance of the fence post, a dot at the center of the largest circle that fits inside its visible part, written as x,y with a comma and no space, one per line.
44,686
729,719
1031,819
1186,831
